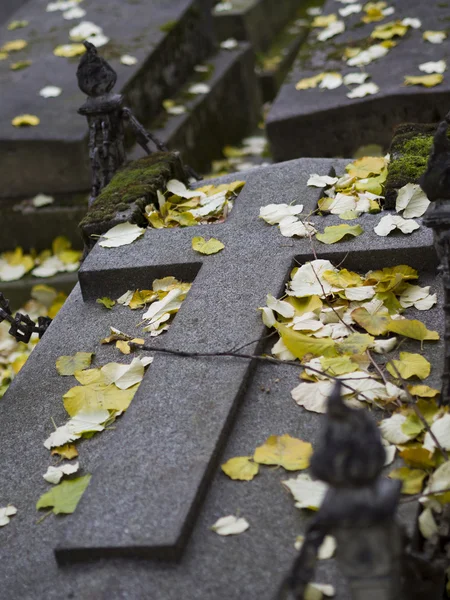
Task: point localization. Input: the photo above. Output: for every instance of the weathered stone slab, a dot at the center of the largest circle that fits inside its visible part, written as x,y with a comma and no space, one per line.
256,21
150,474
24,225
318,122
8,7
168,37
227,113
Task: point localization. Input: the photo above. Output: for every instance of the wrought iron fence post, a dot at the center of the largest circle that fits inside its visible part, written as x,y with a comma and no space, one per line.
358,509
436,184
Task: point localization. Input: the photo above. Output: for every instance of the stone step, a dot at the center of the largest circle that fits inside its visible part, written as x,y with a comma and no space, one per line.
24,225
167,37
273,65
223,116
19,292
324,122
256,21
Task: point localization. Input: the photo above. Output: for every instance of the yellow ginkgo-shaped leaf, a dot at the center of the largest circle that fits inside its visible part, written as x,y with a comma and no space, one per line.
355,343
423,391
366,166
240,468
324,20
308,83
335,233
425,80
387,31
97,396
409,365
300,344
68,451
412,328
67,365
14,46
418,457
212,246
285,451
69,50
412,479
375,324
26,121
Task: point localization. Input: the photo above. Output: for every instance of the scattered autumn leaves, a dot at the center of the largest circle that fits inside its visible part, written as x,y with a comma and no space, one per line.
383,37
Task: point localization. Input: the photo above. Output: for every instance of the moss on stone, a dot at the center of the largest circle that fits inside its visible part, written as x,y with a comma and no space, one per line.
135,183
168,26
410,149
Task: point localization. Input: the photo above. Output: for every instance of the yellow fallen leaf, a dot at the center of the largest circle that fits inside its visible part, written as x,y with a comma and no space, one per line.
212,246
409,365
240,468
14,46
69,50
141,298
301,345
288,452
412,479
68,451
423,391
425,80
389,30
412,329
339,365
366,166
13,25
376,324
309,82
124,346
19,362
343,279
89,376
418,457
21,64
355,343
26,121
374,11
324,20
336,233
97,396
67,365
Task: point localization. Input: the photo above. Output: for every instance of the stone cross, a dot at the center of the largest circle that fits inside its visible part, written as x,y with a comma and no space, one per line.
144,497
151,473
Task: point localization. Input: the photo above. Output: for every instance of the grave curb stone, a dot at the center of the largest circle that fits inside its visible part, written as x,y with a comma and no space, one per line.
228,112
255,21
55,152
347,124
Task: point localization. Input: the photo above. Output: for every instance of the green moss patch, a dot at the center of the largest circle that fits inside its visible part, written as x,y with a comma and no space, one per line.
410,150
135,183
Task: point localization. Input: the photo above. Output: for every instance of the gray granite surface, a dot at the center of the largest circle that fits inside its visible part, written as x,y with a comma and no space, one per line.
152,472
321,122
168,37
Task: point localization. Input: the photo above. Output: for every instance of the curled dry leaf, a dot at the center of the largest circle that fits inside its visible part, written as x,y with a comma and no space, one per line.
26,121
